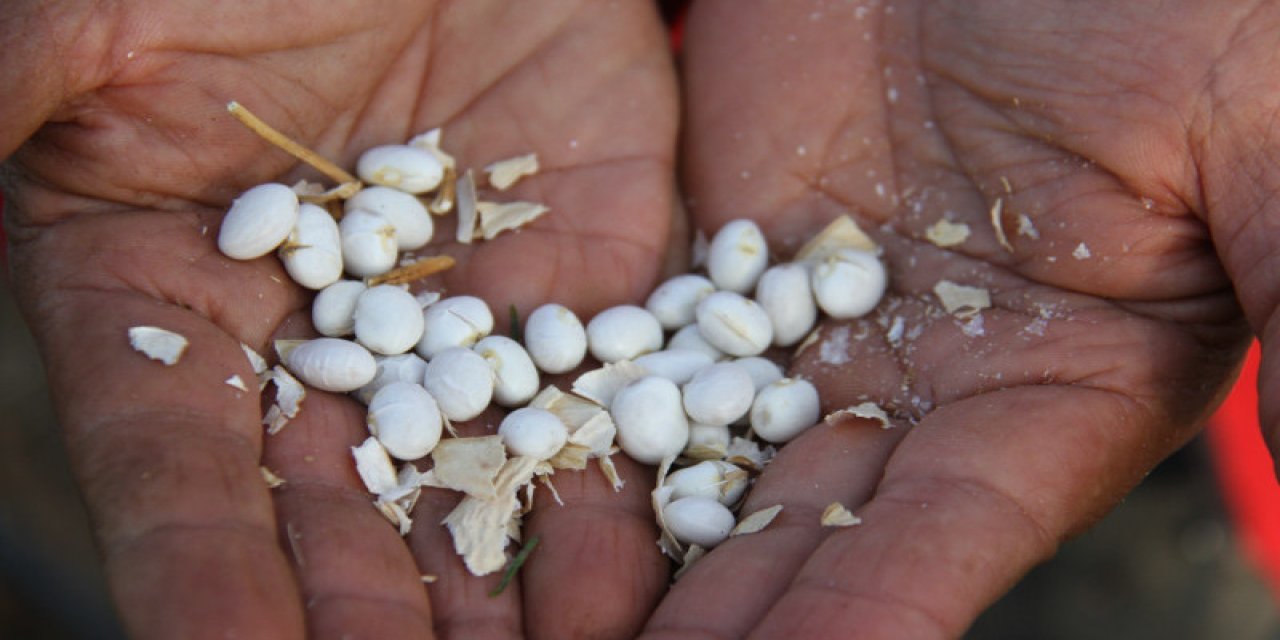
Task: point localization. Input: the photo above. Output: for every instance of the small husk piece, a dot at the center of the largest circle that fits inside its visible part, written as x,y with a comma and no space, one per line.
158,344
505,173
469,465
836,515
496,217
841,233
961,300
869,410
757,521
945,233
480,526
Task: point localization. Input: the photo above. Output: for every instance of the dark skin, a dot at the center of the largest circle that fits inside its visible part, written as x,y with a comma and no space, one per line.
1132,138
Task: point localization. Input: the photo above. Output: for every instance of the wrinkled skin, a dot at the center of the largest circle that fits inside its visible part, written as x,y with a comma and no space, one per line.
1136,131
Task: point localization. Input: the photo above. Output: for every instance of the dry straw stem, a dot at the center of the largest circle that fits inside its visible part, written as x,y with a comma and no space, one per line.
321,164
428,266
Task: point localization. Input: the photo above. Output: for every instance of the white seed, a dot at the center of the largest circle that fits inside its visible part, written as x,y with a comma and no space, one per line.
334,310
537,433
707,441
673,302
555,337
406,367
332,364
405,419
787,298
403,167
457,321
410,218
313,253
762,370
676,365
697,520
718,394
737,256
623,333
515,376
461,382
690,337
258,221
368,243
784,409
734,324
650,419
715,479
849,283
388,320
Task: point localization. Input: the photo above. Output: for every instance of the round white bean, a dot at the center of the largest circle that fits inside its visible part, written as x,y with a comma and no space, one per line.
734,324
457,321
388,320
761,369
461,382
405,419
718,394
623,333
690,337
784,409
258,221
368,243
532,432
332,364
672,303
697,520
403,167
334,310
787,298
405,212
406,367
555,337
737,256
849,283
313,253
676,365
715,479
650,419
515,376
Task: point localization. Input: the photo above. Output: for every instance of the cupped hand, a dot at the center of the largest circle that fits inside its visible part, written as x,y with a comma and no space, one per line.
123,161
1111,164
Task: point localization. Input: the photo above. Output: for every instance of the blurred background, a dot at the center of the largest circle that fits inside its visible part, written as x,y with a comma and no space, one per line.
1168,563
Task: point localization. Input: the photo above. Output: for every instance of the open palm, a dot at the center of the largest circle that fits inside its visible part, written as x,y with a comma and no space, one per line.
114,205
1116,143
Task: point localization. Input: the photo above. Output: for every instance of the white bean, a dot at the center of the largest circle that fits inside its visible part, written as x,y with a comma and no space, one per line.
405,419
258,221
368,243
786,296
536,433
403,167
313,253
676,365
334,310
406,213
650,419
388,320
761,369
672,303
623,333
785,409
849,283
555,337
690,337
332,364
515,376
457,321
718,394
737,256
715,479
734,324
405,367
461,382
698,520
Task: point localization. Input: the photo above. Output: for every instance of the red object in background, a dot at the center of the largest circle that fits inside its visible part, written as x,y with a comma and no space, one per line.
1246,473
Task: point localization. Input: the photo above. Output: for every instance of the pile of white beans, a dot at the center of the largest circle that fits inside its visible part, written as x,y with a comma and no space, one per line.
420,362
